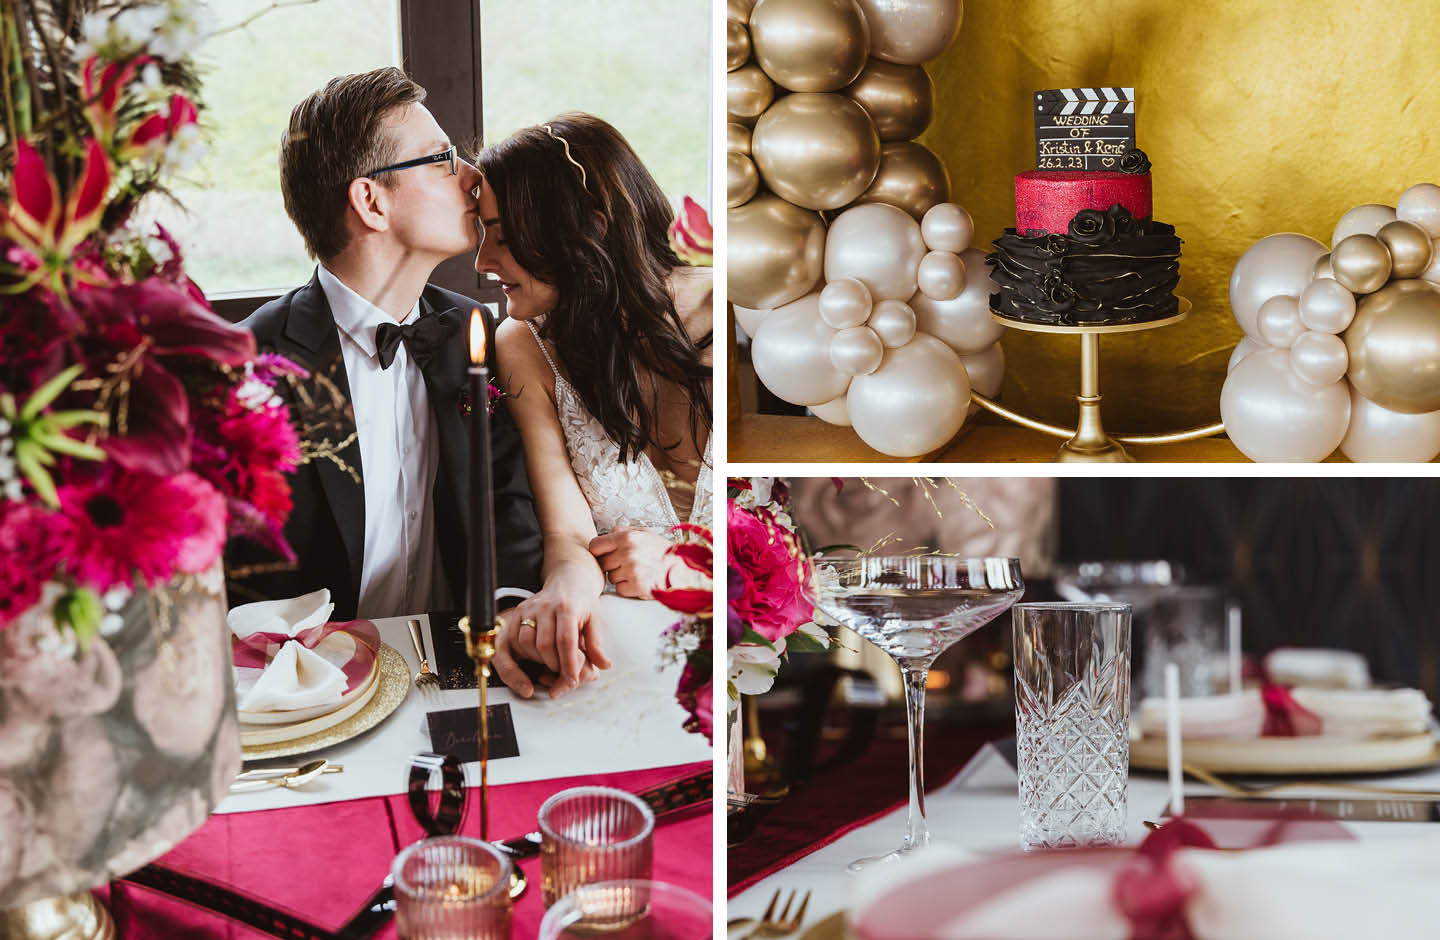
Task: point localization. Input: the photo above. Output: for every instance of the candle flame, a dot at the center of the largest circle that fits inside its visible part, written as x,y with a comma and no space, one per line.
477,337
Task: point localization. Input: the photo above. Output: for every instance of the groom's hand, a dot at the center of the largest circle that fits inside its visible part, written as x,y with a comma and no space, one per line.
633,559
560,633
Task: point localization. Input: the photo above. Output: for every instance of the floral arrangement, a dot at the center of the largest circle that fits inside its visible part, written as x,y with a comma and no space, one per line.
770,594
690,640
138,429
691,237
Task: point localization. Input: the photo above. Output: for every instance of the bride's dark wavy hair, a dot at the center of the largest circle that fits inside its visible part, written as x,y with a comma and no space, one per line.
581,213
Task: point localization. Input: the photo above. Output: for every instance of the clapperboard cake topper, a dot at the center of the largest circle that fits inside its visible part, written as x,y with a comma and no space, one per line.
1083,128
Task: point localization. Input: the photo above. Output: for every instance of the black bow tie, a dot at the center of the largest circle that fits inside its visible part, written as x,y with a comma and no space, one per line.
423,338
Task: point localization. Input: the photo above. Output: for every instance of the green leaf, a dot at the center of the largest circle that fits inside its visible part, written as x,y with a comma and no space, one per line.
827,549
50,391
39,479
750,636
80,607
70,419
801,642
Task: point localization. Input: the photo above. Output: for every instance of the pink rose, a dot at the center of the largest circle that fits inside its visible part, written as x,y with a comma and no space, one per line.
774,583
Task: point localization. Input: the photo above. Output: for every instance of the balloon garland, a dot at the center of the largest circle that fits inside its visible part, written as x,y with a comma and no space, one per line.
1341,349
849,268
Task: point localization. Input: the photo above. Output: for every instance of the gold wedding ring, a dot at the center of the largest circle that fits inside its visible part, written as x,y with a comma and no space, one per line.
527,622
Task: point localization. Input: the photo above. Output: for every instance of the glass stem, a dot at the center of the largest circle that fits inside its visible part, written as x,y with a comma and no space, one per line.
916,832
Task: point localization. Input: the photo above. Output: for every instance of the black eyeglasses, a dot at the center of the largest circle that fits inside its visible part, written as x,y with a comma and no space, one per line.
445,156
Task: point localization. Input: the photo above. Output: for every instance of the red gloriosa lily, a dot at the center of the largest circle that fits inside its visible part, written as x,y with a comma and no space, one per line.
102,92
161,127
35,219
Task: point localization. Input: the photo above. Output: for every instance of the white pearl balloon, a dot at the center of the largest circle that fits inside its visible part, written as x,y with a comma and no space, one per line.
835,412
791,353
1421,204
947,227
1275,265
914,402
1319,358
1272,414
986,371
941,275
1326,306
894,322
964,321
1432,273
1362,220
1379,434
1279,321
878,244
750,318
856,351
845,303
1245,347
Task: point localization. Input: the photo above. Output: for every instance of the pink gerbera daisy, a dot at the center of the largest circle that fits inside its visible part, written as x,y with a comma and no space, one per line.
32,542
132,523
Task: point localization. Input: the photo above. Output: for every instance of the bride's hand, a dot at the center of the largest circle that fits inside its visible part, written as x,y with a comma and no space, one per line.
634,560
558,631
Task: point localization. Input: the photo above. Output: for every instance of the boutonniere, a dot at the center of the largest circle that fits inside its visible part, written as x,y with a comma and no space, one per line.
495,394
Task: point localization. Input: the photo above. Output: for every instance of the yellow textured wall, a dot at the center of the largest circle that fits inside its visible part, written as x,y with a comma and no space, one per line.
1259,116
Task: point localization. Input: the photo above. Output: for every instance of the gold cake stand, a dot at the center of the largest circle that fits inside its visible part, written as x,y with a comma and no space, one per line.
1087,442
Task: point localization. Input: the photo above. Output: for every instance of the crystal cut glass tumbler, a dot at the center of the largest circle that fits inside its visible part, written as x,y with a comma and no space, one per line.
1072,712
451,887
592,834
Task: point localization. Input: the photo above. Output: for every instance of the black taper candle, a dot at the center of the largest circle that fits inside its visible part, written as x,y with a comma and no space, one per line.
481,605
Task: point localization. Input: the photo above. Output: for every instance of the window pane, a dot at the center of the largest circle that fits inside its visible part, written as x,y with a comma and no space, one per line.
233,226
642,65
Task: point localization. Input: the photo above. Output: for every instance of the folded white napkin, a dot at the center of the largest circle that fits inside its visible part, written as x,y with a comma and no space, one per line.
1345,713
1317,890
296,677
1313,668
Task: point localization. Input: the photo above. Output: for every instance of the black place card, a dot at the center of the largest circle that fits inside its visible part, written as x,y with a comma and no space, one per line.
456,732
1350,809
452,664
1083,128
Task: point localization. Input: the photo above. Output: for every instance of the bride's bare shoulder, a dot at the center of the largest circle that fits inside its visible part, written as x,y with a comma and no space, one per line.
519,352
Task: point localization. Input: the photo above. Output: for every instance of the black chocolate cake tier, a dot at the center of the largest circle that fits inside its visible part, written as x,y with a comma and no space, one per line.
1111,268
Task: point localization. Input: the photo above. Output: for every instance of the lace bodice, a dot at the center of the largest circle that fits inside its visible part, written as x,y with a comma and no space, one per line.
619,494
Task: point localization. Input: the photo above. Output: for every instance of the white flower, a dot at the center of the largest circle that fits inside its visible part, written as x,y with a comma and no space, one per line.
186,150
757,495
752,667
110,624
815,632
116,597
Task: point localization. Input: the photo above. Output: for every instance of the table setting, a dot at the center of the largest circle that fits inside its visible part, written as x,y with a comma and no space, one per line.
1221,790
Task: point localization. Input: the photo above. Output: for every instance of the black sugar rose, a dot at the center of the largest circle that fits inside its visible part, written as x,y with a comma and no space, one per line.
1121,218
1056,244
1134,161
1060,293
1092,227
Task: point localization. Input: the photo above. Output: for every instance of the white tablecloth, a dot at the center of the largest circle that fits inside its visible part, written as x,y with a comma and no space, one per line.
979,811
627,719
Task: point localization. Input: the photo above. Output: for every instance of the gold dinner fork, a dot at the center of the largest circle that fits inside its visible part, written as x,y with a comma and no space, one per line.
425,680
782,925
1250,790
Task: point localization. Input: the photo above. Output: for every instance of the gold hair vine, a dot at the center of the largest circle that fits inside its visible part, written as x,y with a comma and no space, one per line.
566,144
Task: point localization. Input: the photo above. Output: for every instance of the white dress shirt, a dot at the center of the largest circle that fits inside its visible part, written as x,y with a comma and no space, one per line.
398,458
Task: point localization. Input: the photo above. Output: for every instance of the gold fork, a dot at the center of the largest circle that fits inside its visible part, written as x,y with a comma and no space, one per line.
771,925
1205,776
425,680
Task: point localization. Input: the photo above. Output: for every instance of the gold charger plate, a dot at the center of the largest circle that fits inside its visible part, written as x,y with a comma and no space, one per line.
1302,756
831,928
391,686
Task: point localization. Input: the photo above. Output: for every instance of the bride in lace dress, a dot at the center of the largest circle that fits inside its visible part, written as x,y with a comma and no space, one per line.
606,356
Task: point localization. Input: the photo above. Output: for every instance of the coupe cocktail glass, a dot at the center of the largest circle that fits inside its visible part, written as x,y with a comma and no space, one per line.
914,607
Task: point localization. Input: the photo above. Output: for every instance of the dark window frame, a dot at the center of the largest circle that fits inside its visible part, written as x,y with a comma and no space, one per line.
440,49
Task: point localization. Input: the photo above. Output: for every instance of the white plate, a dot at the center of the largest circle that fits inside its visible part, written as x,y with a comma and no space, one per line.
1310,754
391,685
295,716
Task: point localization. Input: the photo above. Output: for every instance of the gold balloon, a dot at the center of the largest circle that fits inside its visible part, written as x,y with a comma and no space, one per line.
810,45
898,98
739,10
818,151
1361,263
775,252
1409,248
748,92
912,31
910,178
1322,268
741,179
737,45
737,138
1394,346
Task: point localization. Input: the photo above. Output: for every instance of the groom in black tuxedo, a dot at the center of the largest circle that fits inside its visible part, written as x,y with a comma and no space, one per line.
381,499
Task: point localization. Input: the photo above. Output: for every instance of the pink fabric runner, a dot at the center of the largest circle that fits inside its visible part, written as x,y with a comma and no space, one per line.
322,862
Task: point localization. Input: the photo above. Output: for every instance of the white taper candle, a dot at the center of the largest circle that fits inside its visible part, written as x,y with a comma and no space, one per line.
1172,740
1232,617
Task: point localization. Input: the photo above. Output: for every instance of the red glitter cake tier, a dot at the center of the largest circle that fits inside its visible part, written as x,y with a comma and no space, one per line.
1046,200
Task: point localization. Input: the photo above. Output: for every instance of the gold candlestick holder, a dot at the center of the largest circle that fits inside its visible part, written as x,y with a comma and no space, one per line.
480,646
1087,442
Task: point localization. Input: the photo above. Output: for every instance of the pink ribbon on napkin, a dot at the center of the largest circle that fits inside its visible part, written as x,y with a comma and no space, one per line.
1285,717
258,649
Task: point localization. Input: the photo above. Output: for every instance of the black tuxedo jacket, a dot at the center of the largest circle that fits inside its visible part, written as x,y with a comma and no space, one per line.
327,526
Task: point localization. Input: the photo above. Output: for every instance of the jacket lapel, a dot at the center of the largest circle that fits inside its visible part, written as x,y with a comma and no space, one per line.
327,419
445,381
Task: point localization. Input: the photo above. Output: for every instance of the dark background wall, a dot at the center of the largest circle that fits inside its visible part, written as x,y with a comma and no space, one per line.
1352,563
